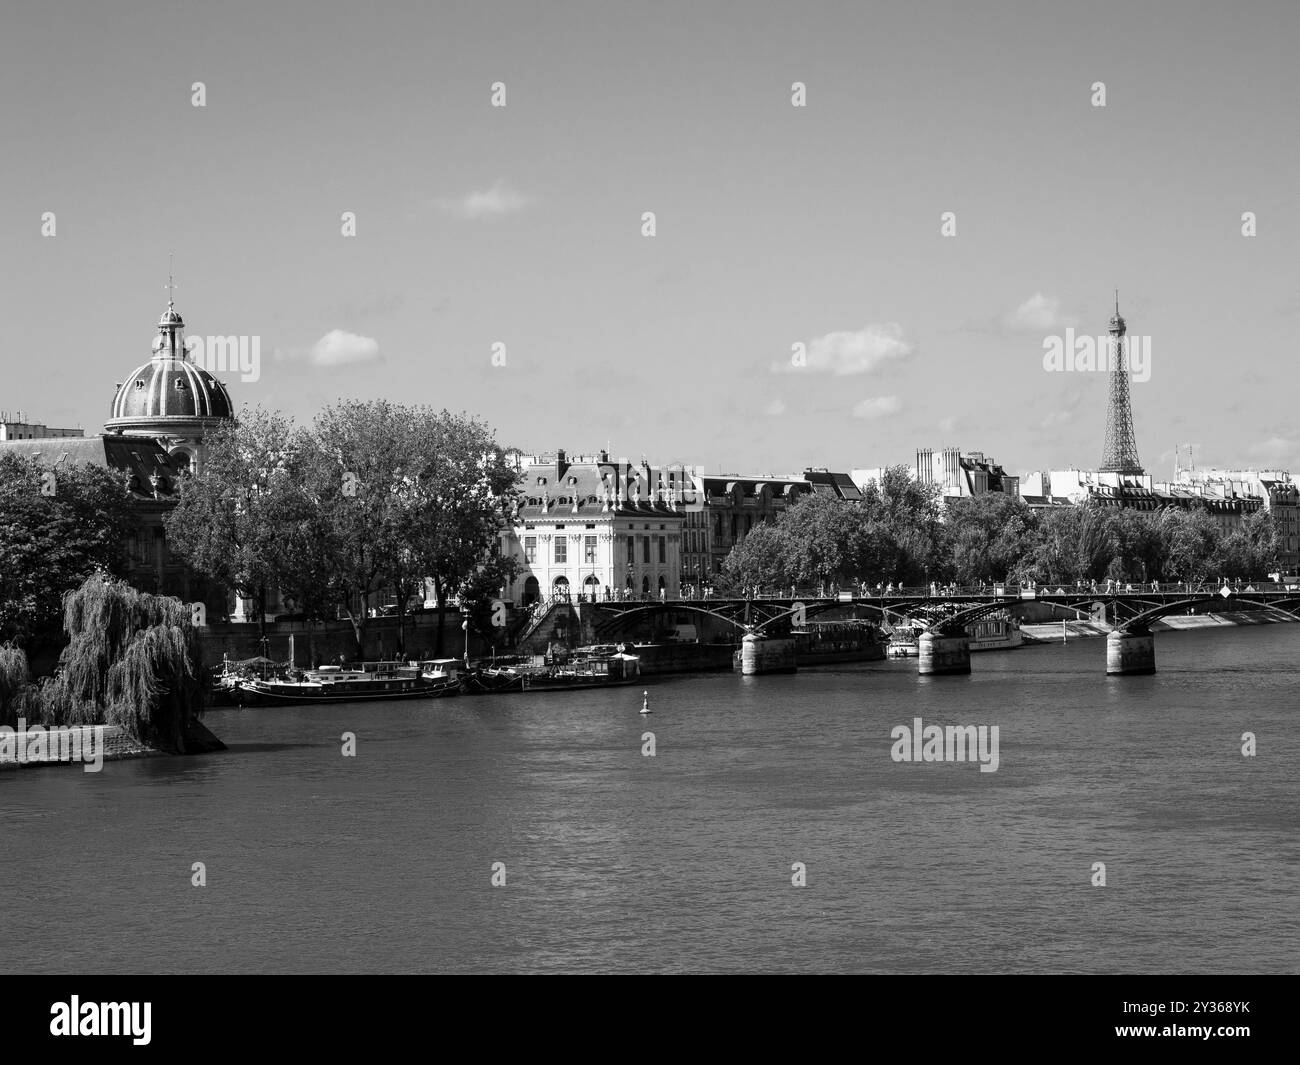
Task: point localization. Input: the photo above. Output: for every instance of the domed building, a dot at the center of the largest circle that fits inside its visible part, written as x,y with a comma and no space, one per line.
171,399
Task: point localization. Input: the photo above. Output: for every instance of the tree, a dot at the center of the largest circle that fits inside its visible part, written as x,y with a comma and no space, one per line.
1249,552
132,660
1191,540
228,523
987,536
902,538
766,556
394,495
373,496
349,474
1140,544
54,533
458,495
824,540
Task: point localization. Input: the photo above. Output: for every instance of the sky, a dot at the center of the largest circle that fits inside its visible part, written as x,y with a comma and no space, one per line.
774,225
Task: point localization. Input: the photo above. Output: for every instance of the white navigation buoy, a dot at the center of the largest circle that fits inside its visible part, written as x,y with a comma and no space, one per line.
645,703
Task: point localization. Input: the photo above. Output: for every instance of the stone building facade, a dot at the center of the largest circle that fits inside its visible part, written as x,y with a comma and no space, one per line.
732,507
589,526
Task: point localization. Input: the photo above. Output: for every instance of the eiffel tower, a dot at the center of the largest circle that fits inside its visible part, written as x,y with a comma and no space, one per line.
1120,454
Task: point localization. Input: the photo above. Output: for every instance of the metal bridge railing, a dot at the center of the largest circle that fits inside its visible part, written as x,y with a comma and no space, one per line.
999,589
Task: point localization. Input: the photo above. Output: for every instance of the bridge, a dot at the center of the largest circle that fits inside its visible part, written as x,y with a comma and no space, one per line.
943,615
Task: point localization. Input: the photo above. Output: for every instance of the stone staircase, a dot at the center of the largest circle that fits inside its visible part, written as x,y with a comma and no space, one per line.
563,622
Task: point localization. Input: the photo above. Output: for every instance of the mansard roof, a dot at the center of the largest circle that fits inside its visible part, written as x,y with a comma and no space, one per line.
139,457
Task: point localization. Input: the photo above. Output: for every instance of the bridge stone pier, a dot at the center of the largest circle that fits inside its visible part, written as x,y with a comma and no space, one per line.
1130,653
941,655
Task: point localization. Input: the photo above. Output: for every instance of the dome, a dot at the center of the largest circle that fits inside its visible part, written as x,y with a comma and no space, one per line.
169,390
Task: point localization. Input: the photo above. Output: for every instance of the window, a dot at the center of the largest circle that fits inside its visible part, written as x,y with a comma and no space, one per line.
663,549
589,549
530,549
631,550
561,549
645,549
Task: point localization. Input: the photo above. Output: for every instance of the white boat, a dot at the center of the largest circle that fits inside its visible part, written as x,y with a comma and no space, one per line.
994,634
904,641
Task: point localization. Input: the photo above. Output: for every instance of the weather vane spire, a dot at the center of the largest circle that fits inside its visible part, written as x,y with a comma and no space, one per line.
171,285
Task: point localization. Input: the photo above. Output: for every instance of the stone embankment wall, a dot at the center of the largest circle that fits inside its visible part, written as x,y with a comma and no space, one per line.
327,640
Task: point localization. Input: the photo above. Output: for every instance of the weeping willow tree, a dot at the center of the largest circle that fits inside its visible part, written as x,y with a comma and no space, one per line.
18,697
132,660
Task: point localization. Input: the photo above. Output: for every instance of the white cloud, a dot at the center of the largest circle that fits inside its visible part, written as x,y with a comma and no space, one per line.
1037,314
848,352
947,425
879,407
1274,449
1057,419
494,202
776,408
338,348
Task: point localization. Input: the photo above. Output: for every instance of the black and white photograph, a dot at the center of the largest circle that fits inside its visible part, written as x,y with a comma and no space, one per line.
726,487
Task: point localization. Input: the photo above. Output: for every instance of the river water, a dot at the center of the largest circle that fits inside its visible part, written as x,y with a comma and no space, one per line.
615,861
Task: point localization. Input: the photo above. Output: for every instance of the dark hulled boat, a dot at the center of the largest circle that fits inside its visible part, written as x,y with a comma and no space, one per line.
835,642
367,682
492,680
593,667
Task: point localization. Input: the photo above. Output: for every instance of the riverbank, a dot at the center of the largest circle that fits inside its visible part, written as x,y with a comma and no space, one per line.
1051,632
89,746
